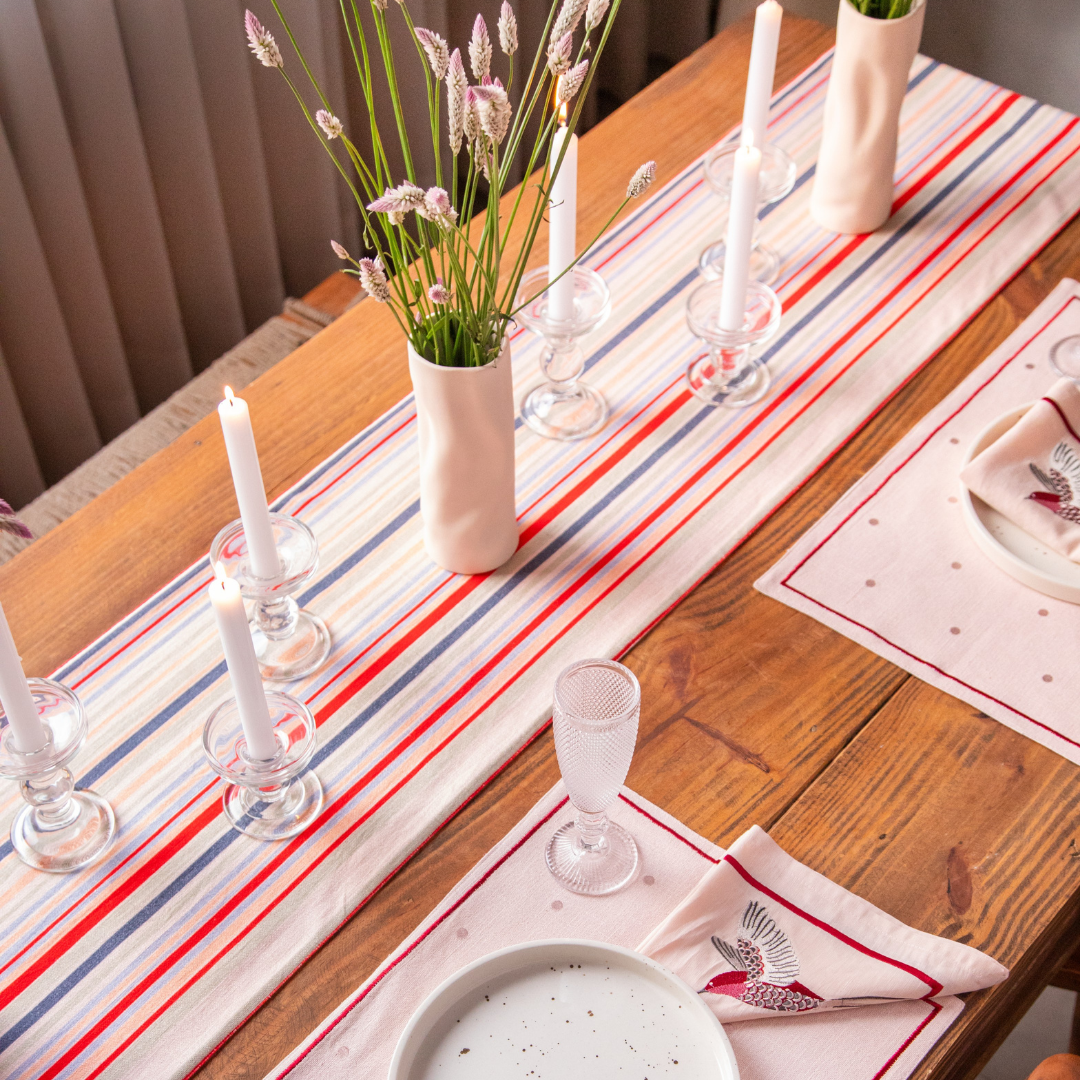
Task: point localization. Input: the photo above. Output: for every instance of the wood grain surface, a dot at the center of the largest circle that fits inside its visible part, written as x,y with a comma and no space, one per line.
751,712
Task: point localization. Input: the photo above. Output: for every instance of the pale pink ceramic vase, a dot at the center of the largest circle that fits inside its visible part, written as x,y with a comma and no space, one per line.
853,185
465,423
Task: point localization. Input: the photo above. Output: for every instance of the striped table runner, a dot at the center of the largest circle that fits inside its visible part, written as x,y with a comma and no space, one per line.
142,965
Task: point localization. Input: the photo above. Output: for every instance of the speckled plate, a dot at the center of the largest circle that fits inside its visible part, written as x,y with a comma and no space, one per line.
1016,552
563,1010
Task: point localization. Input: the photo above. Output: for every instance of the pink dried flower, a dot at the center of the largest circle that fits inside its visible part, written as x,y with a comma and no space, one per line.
569,84
340,251
594,14
640,181
508,29
331,125
438,52
457,84
471,120
559,54
480,49
261,42
439,293
11,524
399,200
373,279
493,105
568,18
437,207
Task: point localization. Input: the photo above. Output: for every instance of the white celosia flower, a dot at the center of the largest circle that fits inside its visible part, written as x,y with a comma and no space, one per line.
640,181
594,14
437,207
456,86
493,105
438,52
508,29
340,251
471,119
331,125
381,4
480,49
373,279
261,42
570,83
439,293
559,54
399,200
396,217
568,18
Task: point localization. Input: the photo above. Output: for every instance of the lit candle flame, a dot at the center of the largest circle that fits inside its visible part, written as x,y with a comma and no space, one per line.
219,573
562,111
229,395
748,137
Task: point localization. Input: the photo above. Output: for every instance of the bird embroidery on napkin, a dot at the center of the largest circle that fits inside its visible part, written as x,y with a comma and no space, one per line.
1062,485
766,966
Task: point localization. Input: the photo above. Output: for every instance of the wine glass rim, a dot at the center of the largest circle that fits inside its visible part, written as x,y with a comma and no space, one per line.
609,665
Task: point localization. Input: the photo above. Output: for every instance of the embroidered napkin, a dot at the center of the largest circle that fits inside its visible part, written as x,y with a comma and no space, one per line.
1032,473
762,935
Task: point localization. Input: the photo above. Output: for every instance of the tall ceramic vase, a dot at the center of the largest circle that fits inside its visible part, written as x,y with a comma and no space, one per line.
465,421
853,185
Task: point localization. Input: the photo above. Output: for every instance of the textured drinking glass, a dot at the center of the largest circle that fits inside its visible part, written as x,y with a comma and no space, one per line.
595,717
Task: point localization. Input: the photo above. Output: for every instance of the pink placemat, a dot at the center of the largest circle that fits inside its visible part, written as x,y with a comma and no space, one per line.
893,567
510,897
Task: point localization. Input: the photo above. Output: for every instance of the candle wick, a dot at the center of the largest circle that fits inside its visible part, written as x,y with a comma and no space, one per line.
229,395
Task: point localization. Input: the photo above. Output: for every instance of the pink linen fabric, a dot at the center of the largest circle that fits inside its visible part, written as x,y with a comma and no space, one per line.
893,566
762,935
1032,473
510,897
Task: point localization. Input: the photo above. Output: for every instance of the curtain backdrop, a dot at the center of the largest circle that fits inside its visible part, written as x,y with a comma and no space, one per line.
161,193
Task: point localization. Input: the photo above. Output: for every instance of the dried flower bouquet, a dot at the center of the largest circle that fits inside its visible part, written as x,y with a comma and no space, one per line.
444,277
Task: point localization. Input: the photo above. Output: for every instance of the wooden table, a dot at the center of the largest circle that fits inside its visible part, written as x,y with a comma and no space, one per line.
751,712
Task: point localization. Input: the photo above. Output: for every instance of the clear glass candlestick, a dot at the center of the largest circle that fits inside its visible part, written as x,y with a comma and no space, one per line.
289,642
562,407
1065,358
60,829
777,180
267,799
729,373
595,717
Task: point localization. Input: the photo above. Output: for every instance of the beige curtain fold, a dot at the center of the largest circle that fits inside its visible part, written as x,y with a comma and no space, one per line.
161,192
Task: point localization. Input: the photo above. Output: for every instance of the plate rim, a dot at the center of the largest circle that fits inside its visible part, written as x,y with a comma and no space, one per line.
626,954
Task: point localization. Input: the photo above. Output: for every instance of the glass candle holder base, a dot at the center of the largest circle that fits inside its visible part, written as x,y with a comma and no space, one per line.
562,407
59,849
289,642
301,653
764,262
1065,358
596,869
60,829
747,384
569,414
269,799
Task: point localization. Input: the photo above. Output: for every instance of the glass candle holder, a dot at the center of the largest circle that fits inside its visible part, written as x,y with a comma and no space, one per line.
728,374
267,799
1065,358
777,179
595,720
60,829
289,642
562,407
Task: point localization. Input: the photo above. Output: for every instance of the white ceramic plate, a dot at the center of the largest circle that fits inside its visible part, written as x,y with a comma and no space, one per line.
1018,553
563,1010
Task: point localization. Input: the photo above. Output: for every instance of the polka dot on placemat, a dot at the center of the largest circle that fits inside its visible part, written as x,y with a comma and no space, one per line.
957,566
1043,611
341,1052
1030,367
873,521
870,582
556,905
954,629
462,933
952,498
955,441
1048,678
649,879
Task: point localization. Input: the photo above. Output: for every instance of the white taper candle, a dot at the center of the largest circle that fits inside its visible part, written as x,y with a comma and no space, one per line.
759,80
232,624
740,237
562,221
248,483
27,731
